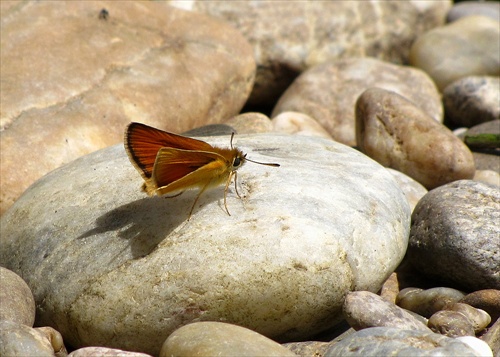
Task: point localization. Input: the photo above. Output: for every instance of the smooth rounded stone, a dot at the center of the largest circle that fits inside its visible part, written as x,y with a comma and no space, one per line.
393,131
105,351
472,100
467,47
251,123
413,190
487,300
220,339
477,345
21,340
388,341
308,348
298,124
487,176
210,130
492,337
77,87
451,324
454,235
486,161
468,8
16,300
328,92
289,37
269,266
364,309
427,302
479,318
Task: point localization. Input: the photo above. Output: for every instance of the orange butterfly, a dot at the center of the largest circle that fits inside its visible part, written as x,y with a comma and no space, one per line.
171,163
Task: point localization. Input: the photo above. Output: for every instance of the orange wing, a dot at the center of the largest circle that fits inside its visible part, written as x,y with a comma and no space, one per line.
143,142
173,164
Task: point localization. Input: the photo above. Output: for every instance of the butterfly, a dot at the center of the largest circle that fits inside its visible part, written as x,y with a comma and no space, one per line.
171,163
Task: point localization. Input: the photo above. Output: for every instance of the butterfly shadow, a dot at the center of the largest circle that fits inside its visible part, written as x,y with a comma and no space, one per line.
146,222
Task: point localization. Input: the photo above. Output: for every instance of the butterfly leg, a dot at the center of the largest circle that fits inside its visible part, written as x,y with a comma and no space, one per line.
226,188
235,181
196,200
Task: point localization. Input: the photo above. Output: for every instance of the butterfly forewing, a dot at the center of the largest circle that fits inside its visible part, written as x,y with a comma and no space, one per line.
143,142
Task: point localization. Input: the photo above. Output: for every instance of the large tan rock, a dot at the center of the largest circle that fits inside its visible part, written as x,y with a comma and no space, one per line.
396,133
328,92
72,81
289,37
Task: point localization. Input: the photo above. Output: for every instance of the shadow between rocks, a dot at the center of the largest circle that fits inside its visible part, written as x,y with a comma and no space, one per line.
146,222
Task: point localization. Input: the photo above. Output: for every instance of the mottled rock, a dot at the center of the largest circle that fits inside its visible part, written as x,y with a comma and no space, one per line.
16,300
397,134
298,124
328,92
78,85
487,300
21,340
468,8
451,324
269,266
364,309
469,46
387,341
290,37
472,100
479,318
454,235
427,302
220,339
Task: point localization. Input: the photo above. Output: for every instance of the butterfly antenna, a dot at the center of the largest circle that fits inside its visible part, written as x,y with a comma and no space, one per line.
263,163
232,136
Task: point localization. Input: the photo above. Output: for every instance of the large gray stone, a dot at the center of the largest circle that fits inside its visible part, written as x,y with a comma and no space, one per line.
455,235
112,267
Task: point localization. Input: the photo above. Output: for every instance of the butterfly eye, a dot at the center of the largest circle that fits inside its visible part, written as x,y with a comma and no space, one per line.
237,162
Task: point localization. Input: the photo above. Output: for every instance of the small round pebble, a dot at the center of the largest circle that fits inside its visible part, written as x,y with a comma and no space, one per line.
451,324
479,318
220,339
364,309
16,300
487,300
471,101
427,302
